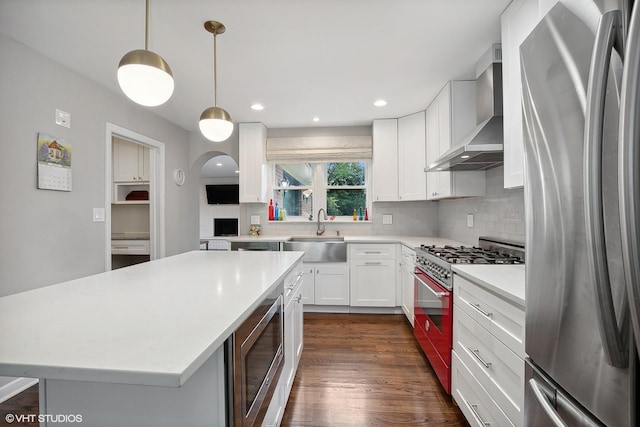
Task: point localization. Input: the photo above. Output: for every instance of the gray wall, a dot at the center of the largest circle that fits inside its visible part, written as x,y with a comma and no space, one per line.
49,236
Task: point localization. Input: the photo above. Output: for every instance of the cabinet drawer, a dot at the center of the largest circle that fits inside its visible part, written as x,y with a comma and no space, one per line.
292,281
372,251
502,319
474,402
130,247
499,370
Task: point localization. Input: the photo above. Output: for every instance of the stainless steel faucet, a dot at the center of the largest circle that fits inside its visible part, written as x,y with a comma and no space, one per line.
320,230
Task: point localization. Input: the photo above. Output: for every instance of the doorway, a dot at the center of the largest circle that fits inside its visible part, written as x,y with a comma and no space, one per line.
142,194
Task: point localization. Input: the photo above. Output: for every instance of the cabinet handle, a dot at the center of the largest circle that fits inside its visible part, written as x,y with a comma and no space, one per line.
372,252
474,409
299,298
485,313
311,271
373,263
476,353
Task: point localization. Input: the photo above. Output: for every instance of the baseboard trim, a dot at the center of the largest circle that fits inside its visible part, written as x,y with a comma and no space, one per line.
16,386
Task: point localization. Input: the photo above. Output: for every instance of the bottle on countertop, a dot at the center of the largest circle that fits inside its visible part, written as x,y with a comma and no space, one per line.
271,211
355,214
281,214
366,214
360,214
276,213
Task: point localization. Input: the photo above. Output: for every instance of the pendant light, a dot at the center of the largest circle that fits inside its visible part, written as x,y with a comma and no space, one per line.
215,123
144,76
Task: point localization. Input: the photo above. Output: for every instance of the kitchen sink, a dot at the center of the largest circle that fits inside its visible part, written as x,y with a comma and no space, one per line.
318,248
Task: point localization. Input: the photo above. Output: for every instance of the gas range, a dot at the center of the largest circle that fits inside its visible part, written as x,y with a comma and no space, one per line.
436,261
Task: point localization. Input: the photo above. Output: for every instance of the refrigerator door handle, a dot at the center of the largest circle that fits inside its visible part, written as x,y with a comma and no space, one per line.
614,344
543,398
629,169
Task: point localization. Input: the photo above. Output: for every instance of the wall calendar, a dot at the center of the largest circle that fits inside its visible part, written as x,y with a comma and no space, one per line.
54,163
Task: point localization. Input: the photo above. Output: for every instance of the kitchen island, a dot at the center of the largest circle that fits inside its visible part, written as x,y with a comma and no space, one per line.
142,345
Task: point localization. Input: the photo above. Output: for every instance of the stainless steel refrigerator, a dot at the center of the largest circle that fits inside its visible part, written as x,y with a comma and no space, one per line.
580,76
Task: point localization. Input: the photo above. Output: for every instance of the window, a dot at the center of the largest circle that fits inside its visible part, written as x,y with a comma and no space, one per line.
303,188
346,188
293,188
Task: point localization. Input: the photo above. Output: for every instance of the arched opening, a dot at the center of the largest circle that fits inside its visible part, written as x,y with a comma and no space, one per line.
219,205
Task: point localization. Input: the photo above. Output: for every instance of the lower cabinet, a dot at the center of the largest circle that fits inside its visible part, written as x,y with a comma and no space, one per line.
293,344
407,267
326,283
372,268
487,363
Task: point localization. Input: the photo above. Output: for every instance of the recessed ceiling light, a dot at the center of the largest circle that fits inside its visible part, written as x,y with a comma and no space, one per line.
380,103
218,164
316,119
438,169
464,157
257,107
237,171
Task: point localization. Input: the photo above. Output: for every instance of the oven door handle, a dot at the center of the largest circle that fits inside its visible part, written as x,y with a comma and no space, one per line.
437,294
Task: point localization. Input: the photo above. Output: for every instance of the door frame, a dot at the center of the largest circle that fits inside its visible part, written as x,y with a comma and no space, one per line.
156,189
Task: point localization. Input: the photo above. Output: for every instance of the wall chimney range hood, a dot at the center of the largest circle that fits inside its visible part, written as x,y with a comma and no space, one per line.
482,148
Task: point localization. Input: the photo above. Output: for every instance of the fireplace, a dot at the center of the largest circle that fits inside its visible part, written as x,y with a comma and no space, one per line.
225,227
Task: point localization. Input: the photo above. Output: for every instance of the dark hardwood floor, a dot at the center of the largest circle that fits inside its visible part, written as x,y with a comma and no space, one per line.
365,370
356,370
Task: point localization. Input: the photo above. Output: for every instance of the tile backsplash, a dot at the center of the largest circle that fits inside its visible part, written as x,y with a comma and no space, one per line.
500,213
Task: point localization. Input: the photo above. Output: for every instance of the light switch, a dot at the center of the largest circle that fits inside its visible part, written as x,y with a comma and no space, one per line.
470,220
98,214
387,219
63,118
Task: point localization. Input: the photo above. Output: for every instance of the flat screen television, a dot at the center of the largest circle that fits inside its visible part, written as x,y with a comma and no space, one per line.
223,194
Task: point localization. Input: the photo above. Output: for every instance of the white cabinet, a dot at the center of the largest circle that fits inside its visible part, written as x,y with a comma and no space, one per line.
130,161
411,157
517,22
385,160
407,267
372,268
326,283
450,117
293,344
488,350
130,247
253,162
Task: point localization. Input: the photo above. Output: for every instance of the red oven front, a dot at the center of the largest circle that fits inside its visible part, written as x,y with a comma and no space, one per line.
433,325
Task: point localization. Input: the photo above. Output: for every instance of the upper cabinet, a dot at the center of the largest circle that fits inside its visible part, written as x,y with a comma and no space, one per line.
130,161
449,118
253,162
411,157
518,20
385,160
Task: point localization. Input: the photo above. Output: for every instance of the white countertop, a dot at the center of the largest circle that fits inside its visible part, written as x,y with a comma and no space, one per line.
409,241
504,280
151,324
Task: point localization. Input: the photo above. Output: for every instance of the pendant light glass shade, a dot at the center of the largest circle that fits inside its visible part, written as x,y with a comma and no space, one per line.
144,76
215,123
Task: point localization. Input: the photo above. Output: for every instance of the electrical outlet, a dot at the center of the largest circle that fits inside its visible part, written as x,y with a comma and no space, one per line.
470,220
387,219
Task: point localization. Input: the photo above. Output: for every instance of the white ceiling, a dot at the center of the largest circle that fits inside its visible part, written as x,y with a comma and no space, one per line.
300,59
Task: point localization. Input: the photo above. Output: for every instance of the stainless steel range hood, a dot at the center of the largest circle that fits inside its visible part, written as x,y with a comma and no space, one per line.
482,148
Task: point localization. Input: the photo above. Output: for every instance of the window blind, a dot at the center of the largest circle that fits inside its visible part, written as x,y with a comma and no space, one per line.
320,148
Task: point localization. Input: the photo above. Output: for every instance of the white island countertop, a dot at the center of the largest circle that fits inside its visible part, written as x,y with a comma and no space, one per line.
504,280
153,324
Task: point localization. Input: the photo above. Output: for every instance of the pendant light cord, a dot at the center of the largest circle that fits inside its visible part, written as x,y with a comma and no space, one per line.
146,27
215,71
